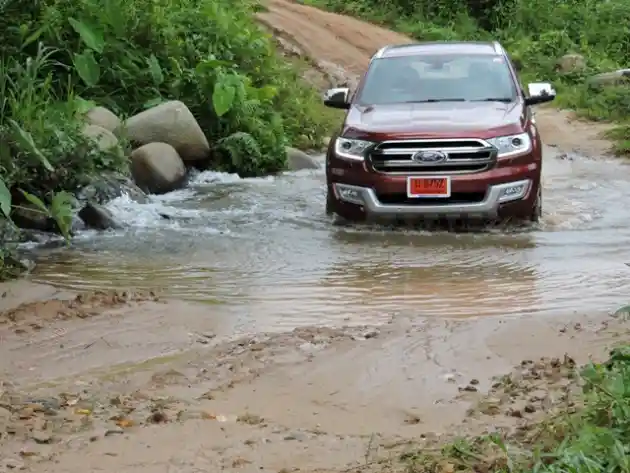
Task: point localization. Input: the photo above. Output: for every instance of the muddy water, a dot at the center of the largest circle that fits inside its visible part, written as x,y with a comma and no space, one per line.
262,253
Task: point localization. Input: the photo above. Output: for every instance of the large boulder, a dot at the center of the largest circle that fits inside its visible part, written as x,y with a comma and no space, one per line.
109,186
171,123
621,76
298,160
105,139
157,168
98,217
571,63
101,116
28,217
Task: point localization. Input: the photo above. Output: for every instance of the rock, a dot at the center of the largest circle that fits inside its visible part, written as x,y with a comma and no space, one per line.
299,436
114,430
297,160
109,186
42,437
170,123
9,233
571,63
104,118
13,464
98,217
105,139
621,76
157,168
188,414
30,218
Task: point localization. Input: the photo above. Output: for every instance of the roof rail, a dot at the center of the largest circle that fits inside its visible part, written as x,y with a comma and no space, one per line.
498,48
380,52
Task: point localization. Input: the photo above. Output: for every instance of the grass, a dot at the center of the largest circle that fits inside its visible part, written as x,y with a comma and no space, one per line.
590,434
536,33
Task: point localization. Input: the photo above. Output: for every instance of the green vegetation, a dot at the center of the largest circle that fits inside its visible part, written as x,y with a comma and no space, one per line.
591,435
58,58
536,33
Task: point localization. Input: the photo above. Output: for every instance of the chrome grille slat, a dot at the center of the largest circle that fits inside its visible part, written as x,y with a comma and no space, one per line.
463,156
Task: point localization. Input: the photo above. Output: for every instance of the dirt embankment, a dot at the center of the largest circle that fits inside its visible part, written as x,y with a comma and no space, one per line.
130,382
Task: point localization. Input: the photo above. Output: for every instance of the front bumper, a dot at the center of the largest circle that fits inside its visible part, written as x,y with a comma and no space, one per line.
489,208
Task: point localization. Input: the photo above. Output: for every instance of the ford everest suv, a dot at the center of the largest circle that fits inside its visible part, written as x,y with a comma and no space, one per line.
434,131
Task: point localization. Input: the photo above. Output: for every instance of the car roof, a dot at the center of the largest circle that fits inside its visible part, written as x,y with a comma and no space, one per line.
440,47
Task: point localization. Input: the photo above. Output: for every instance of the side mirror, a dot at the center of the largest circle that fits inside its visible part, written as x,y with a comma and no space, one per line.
539,92
337,98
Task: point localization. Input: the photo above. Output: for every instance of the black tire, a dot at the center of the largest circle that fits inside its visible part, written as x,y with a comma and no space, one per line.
329,205
537,211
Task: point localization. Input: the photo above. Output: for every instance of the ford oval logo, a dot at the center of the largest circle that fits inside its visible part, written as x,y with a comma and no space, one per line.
429,157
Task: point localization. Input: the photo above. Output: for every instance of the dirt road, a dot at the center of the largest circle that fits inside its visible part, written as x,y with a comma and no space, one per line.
131,382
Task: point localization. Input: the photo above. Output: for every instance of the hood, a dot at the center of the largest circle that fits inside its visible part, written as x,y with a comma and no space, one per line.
475,118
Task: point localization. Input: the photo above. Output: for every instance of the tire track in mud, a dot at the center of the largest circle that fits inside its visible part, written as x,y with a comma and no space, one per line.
343,41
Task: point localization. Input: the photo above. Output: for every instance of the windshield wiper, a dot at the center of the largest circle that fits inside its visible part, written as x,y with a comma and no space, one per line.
435,100
495,99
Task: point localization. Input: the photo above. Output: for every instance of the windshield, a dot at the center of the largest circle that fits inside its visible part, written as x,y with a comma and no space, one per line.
436,78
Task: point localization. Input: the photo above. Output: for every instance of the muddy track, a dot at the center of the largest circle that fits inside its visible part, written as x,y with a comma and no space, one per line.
337,39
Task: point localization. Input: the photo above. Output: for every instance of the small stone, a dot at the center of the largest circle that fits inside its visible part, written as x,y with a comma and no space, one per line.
250,419
114,431
474,382
26,413
187,414
42,437
240,462
538,395
469,388
299,436
515,413
13,464
529,408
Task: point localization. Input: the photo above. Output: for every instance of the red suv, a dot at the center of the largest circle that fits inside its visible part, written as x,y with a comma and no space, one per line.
434,131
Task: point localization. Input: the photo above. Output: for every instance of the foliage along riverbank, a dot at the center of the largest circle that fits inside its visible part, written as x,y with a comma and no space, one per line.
587,430
592,36
61,58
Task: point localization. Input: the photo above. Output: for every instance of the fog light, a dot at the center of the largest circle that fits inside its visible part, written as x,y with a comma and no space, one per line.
513,191
349,194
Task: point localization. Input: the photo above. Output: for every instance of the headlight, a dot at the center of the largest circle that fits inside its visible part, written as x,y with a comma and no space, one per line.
351,149
512,145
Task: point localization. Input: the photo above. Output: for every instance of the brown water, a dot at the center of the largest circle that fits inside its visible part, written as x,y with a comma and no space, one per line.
263,253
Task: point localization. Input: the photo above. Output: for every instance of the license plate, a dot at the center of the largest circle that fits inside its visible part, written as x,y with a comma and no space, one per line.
429,186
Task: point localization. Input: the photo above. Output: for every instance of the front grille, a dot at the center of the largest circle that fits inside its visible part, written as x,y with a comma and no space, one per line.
462,156
455,198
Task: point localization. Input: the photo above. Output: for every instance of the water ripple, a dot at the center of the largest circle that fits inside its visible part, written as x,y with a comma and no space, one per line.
262,250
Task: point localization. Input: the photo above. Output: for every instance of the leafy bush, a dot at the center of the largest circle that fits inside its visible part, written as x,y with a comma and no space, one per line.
536,33
130,55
